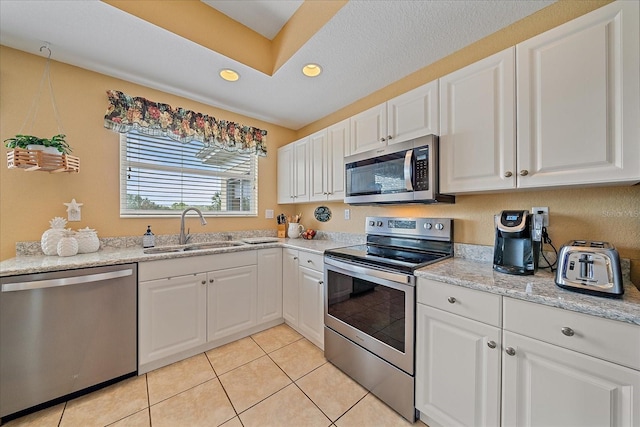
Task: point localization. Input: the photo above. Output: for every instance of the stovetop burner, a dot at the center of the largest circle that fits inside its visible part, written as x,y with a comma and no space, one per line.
400,244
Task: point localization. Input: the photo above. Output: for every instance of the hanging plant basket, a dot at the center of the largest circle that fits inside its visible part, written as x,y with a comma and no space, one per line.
38,160
34,153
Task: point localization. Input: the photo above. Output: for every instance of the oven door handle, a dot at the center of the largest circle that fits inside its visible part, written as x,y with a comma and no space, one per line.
408,169
350,268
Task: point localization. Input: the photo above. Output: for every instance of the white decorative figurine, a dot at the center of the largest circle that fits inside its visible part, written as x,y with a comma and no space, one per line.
52,236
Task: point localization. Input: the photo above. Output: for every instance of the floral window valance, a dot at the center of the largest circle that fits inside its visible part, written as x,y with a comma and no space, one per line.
153,118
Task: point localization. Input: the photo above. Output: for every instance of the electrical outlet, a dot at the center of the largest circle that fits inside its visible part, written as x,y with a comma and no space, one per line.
545,214
347,214
268,214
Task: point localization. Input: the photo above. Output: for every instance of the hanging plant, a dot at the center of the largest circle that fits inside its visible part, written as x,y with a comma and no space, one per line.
57,142
24,141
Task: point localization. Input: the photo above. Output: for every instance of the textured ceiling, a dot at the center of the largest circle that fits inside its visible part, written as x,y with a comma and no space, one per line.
366,46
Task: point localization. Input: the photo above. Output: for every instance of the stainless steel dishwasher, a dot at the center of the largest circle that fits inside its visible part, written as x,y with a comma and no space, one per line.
63,332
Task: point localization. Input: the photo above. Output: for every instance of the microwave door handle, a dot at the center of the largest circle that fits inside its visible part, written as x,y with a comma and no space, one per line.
407,170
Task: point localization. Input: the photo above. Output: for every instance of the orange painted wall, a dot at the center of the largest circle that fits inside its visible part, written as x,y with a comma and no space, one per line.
28,200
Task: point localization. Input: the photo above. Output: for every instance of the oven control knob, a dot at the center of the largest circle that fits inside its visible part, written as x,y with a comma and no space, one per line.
428,226
439,226
379,223
372,223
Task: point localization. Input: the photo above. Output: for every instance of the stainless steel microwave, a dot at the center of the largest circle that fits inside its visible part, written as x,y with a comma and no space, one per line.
400,173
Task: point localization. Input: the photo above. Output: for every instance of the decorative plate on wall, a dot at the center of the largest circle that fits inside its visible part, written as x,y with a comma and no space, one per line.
322,213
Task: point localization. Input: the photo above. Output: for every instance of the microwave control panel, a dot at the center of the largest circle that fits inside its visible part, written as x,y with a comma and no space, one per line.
421,169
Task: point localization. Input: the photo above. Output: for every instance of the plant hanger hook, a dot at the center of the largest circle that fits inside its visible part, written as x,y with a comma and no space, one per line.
33,110
46,46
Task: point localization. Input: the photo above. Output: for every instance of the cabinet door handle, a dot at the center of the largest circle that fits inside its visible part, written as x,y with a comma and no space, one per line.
211,280
321,282
382,140
451,300
567,331
524,172
389,137
309,261
508,174
295,258
510,351
204,282
491,344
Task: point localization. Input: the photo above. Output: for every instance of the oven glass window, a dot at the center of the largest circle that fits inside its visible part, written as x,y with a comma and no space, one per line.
376,310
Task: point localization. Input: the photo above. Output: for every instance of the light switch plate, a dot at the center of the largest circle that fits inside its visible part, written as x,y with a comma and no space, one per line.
347,214
268,213
73,215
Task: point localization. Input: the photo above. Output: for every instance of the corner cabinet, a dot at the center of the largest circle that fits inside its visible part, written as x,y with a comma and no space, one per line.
579,100
312,169
303,294
293,172
407,116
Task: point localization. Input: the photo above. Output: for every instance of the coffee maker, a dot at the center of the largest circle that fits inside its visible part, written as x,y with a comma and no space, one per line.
518,242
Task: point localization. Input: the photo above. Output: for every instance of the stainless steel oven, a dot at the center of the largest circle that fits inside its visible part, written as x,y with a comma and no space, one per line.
370,304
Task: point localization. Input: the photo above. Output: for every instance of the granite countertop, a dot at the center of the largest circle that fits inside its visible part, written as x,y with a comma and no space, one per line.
114,256
539,288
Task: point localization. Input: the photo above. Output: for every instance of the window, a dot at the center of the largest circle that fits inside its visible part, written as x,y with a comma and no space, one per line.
159,176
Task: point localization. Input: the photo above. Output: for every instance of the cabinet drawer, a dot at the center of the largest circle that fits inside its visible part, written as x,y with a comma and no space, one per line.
618,342
477,305
312,261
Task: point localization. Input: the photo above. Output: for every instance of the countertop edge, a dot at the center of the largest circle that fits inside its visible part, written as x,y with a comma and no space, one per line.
540,289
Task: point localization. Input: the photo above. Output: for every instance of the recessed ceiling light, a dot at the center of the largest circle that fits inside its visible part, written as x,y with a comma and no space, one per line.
311,70
229,75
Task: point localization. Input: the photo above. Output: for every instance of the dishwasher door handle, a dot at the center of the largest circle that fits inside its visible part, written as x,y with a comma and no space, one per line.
65,281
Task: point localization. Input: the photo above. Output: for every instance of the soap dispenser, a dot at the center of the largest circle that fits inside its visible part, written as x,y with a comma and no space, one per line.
148,239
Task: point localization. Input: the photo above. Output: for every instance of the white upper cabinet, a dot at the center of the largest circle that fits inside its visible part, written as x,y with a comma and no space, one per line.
369,129
413,114
293,172
579,100
328,149
477,126
318,165
285,174
337,148
410,115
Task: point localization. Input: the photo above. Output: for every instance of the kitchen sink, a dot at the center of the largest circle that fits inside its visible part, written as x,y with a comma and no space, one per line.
212,245
216,244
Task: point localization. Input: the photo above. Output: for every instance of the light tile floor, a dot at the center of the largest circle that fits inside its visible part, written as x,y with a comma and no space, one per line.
272,378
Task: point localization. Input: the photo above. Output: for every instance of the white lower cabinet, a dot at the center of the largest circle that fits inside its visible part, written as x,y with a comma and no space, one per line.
563,368
303,294
457,370
190,305
290,293
547,385
172,316
232,297
311,316
521,364
269,284
457,358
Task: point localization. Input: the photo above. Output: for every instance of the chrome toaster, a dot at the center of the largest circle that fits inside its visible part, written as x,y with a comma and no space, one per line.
590,267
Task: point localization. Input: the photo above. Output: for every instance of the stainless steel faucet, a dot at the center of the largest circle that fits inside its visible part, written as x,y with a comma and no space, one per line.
184,238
